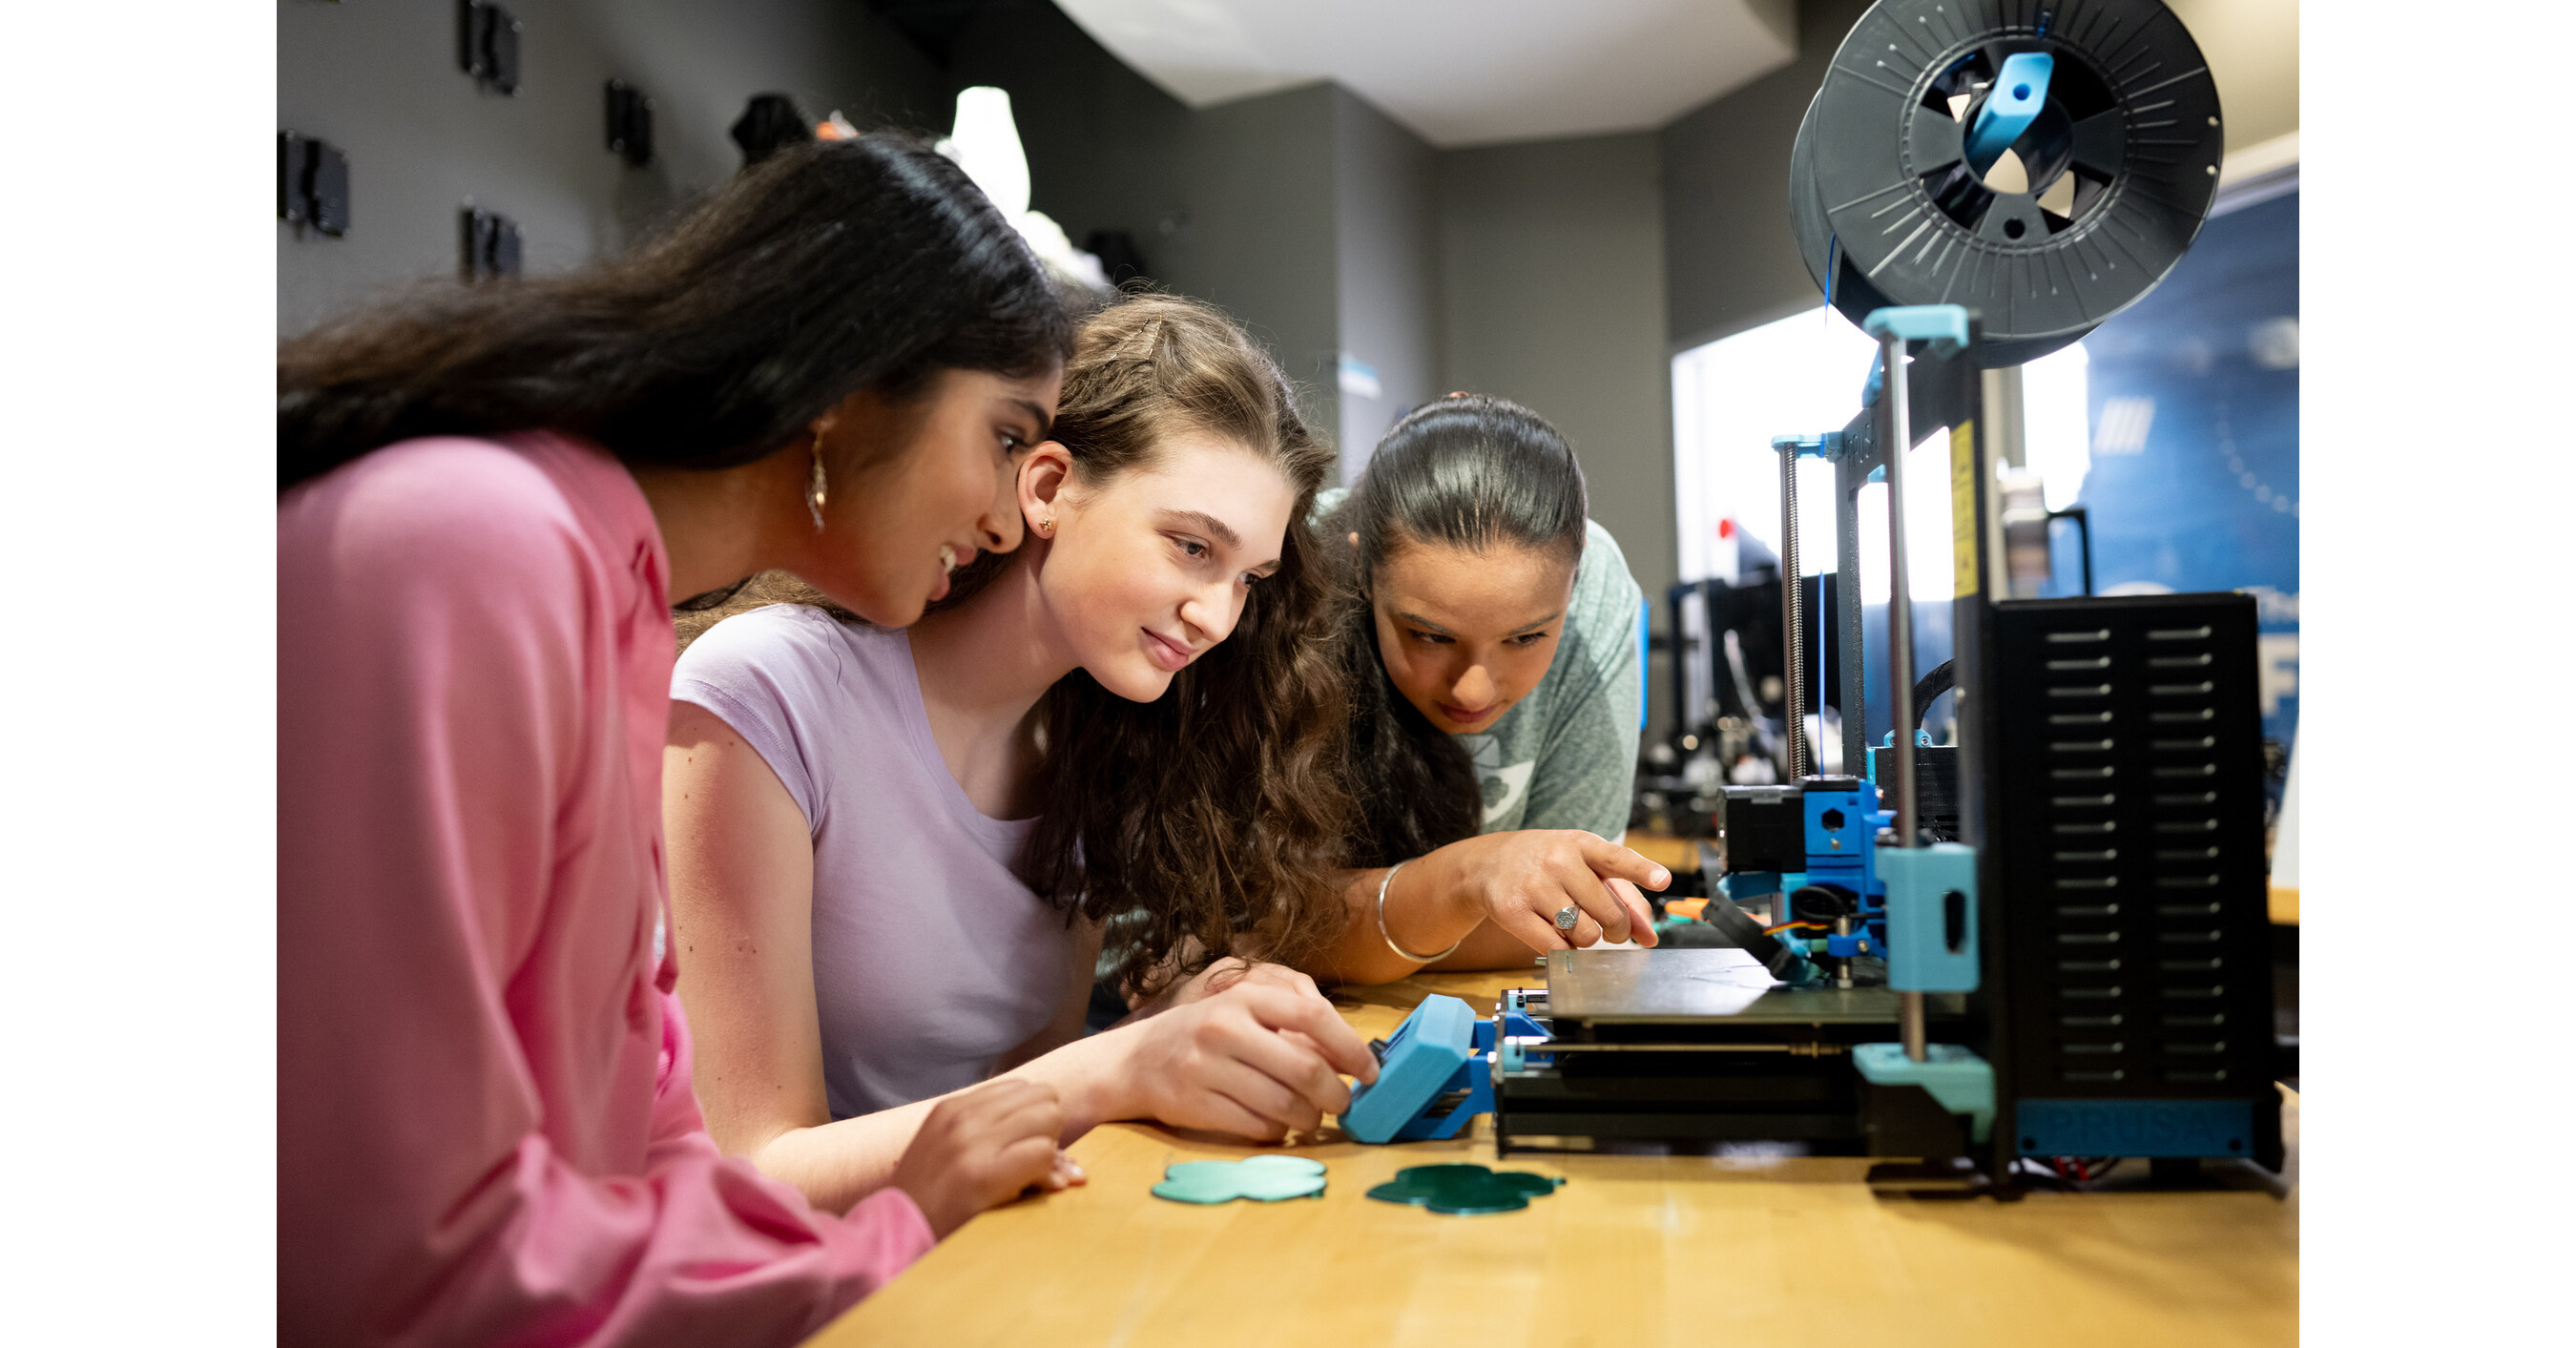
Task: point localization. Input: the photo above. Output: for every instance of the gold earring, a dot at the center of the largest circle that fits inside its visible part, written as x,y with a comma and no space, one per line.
1046,527
815,493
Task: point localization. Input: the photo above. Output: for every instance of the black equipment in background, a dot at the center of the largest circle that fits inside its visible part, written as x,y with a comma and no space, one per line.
630,123
491,244
312,184
769,123
487,45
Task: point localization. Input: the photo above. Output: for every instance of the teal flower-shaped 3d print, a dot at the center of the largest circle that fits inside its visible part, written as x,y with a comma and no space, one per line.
1264,1179
1464,1190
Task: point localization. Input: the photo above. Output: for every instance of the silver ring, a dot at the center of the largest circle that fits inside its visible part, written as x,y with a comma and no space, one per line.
1567,916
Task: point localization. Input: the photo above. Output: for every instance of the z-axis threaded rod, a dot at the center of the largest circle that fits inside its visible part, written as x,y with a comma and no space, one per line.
1897,438
1793,639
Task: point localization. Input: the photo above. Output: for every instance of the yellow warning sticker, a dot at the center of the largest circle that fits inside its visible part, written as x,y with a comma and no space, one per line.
1963,508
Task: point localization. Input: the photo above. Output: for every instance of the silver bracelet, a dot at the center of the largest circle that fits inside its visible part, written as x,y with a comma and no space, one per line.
1401,952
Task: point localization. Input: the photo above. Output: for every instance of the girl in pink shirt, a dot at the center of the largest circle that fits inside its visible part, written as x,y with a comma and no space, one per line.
488,499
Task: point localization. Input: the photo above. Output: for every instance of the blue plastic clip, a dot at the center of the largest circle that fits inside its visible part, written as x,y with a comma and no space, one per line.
1433,1053
1961,1081
2020,91
1945,326
1931,935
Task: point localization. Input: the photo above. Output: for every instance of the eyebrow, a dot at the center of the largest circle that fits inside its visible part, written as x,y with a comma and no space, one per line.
1220,531
1419,621
1037,414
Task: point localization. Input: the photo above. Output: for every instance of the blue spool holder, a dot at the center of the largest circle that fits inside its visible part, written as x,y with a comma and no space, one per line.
2020,92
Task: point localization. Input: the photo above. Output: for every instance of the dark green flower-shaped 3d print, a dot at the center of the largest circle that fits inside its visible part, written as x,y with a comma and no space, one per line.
1464,1190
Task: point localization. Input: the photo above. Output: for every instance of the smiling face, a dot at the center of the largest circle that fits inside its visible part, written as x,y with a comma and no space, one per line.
940,488
1465,634
1146,572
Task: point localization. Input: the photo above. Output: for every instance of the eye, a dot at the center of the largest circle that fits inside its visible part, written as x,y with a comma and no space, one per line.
1528,638
1429,638
1012,444
1193,547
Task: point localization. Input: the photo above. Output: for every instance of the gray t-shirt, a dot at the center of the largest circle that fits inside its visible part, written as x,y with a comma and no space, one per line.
1566,755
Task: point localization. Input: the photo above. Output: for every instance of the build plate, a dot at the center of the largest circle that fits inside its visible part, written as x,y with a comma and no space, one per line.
1691,986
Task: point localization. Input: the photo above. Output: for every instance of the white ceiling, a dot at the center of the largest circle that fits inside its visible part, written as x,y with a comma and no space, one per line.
1459,72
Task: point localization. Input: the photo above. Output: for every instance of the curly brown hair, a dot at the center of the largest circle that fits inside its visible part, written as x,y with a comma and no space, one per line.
1213,820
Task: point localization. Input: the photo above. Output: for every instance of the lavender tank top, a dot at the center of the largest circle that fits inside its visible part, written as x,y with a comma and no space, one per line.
931,959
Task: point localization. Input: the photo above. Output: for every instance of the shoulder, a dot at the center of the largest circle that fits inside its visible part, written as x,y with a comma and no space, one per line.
454,540
777,641
446,508
1603,609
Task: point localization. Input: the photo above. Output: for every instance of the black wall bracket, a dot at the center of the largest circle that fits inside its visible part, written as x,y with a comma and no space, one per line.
312,184
491,244
487,45
630,123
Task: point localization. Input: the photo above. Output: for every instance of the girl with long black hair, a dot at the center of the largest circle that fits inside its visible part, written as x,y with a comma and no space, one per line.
1489,644
489,497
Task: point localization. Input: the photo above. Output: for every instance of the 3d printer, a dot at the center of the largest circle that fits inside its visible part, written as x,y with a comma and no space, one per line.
2050,940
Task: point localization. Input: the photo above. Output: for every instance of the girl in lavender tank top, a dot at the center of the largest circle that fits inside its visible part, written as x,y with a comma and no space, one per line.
894,852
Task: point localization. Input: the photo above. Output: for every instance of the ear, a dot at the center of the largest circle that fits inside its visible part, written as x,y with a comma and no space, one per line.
1043,476
1355,538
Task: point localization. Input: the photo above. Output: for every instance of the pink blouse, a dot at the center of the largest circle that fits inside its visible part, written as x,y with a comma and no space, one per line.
485,1131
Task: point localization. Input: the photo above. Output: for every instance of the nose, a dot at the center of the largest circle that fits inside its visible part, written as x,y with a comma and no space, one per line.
1000,527
1474,689
1213,610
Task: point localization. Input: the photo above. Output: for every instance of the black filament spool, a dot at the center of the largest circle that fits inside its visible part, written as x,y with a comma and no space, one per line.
2125,153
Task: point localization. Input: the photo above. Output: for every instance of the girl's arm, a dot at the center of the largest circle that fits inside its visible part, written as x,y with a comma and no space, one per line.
741,865
1497,896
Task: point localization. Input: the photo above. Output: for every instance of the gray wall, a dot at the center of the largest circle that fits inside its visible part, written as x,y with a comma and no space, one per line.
1730,261
1552,294
1233,205
1387,259
380,80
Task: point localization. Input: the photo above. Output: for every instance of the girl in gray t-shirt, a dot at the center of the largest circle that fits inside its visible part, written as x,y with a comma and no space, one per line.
1490,635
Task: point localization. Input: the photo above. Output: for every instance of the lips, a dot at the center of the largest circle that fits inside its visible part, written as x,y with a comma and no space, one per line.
1461,716
1166,653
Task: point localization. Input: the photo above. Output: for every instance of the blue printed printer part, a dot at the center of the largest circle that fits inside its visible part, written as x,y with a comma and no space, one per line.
1842,848
1433,1053
1931,917
2018,94
1959,1080
2202,1128
1945,326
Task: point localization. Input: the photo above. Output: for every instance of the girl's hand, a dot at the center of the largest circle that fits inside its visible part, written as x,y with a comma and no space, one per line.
1216,978
983,1147
1260,1057
1523,879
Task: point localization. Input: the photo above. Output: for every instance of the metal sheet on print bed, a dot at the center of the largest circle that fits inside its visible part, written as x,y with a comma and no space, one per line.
1680,986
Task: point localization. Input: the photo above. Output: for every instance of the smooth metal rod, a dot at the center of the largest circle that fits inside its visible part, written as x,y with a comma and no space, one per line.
1792,629
1909,1024
1847,588
1898,437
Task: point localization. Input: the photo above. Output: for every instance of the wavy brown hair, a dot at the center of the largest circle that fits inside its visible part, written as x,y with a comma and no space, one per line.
1211,821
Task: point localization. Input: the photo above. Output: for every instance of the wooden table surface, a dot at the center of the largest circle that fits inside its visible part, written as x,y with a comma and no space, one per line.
1632,1251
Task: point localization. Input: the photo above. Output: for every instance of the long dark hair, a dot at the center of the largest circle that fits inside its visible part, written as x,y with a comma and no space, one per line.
1213,820
830,268
1469,472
